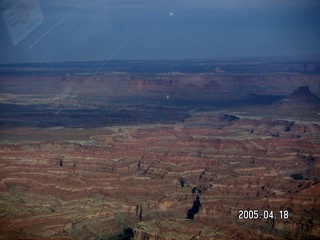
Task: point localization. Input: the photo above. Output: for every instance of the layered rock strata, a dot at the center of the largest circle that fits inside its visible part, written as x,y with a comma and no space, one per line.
93,183
167,155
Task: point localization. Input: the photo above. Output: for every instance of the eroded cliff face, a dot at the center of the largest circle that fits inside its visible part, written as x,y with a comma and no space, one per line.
93,183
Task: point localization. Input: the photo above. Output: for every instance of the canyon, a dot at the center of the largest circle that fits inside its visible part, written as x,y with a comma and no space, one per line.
185,150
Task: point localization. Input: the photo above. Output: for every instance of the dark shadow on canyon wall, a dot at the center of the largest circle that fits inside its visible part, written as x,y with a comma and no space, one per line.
195,208
126,235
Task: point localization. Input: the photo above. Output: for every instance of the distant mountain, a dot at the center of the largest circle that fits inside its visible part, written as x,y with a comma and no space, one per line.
303,96
300,103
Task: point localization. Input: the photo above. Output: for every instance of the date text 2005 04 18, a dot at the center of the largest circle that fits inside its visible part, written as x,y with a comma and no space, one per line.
266,214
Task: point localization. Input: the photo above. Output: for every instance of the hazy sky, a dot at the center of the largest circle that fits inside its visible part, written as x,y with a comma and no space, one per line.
81,30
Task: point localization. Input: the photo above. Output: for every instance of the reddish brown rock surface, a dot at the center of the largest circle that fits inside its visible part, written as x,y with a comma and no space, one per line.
80,160
93,183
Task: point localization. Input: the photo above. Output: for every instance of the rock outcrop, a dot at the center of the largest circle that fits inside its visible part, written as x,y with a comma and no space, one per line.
301,103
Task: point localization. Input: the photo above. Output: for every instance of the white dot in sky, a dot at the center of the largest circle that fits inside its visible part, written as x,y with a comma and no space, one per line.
167,96
170,14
